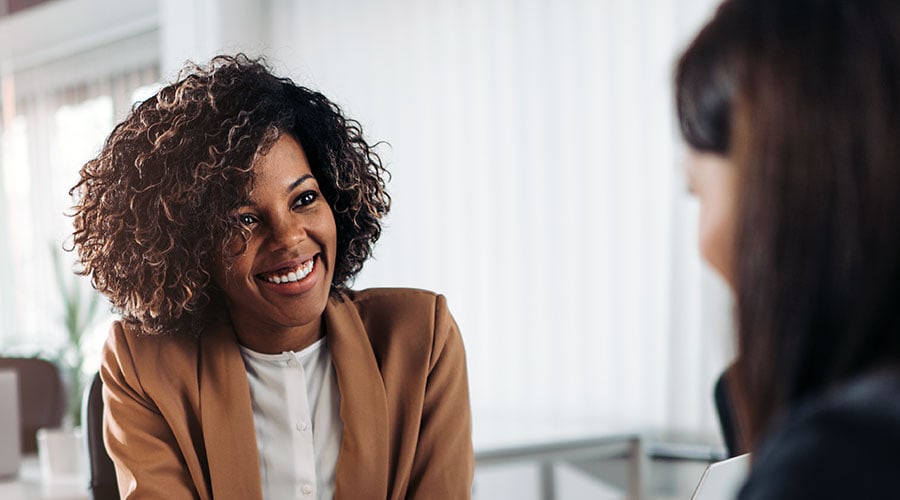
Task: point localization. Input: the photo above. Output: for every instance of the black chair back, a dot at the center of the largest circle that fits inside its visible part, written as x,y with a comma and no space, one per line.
726,411
103,485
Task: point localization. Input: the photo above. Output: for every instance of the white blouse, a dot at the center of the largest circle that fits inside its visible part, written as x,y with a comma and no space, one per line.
296,412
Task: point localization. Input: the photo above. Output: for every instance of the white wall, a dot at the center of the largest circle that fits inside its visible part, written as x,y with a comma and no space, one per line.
537,184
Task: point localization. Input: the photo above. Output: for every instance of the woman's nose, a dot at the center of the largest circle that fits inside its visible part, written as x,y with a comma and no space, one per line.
286,233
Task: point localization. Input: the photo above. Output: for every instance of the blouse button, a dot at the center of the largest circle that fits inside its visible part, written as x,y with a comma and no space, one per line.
307,489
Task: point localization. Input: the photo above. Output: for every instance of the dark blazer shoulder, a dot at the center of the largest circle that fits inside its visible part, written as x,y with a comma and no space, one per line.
838,444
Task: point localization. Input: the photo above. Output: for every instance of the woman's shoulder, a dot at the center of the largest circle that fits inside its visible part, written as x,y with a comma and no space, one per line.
838,444
128,337
390,295
140,355
402,314
397,302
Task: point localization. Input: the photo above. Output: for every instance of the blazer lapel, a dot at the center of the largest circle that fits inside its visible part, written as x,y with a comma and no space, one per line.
363,465
227,417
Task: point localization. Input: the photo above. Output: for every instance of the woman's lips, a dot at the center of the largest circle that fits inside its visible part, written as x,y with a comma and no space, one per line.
293,281
289,274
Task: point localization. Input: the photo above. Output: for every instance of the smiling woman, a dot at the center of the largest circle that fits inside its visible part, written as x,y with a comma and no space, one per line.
224,218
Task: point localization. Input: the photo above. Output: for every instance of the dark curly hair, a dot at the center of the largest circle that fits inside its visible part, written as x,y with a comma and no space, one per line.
155,207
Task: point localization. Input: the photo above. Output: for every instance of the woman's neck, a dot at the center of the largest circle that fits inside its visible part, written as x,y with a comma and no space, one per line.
269,339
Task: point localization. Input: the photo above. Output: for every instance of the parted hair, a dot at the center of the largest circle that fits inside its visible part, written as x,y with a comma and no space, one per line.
804,96
154,210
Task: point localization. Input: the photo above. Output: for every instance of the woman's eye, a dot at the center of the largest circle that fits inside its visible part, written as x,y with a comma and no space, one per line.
247,219
306,198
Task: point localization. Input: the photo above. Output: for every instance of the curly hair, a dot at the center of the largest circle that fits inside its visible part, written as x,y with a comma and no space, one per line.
154,209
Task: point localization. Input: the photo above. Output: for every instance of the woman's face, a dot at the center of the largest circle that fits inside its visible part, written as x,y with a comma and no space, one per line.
277,289
712,178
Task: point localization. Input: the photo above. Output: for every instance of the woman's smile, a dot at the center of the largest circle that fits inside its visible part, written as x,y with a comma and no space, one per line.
292,279
289,273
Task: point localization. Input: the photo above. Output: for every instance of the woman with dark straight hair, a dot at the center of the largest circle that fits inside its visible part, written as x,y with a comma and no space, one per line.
791,111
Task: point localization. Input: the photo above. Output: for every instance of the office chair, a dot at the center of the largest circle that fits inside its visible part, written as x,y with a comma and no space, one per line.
42,397
726,411
103,485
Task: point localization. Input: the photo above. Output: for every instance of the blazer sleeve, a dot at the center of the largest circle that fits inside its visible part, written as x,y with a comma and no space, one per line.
142,446
444,462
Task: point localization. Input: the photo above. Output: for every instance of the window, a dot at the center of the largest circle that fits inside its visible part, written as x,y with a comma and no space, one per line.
45,140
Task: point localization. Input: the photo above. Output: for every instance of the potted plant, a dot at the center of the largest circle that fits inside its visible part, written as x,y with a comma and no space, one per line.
80,308
60,451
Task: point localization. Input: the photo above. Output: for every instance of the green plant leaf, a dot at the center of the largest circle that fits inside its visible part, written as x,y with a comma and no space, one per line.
80,308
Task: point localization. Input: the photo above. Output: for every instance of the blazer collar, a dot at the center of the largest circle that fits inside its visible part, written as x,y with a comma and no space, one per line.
363,463
227,414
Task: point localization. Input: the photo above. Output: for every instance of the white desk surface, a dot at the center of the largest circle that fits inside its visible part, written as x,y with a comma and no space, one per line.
28,485
523,434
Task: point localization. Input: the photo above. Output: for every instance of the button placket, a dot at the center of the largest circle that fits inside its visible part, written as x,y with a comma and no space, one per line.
300,414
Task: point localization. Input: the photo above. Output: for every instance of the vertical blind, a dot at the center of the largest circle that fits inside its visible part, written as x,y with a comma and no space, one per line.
537,184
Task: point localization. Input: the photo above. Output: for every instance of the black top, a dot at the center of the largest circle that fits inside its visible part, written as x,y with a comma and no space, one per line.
842,444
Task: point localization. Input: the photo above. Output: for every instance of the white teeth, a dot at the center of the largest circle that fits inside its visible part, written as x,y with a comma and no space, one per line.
298,274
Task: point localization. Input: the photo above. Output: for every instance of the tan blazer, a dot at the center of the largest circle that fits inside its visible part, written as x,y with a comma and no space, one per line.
178,421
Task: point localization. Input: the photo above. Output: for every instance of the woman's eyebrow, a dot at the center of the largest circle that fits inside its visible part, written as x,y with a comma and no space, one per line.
303,178
299,181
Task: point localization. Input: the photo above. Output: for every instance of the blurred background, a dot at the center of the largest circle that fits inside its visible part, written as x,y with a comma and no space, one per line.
536,180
